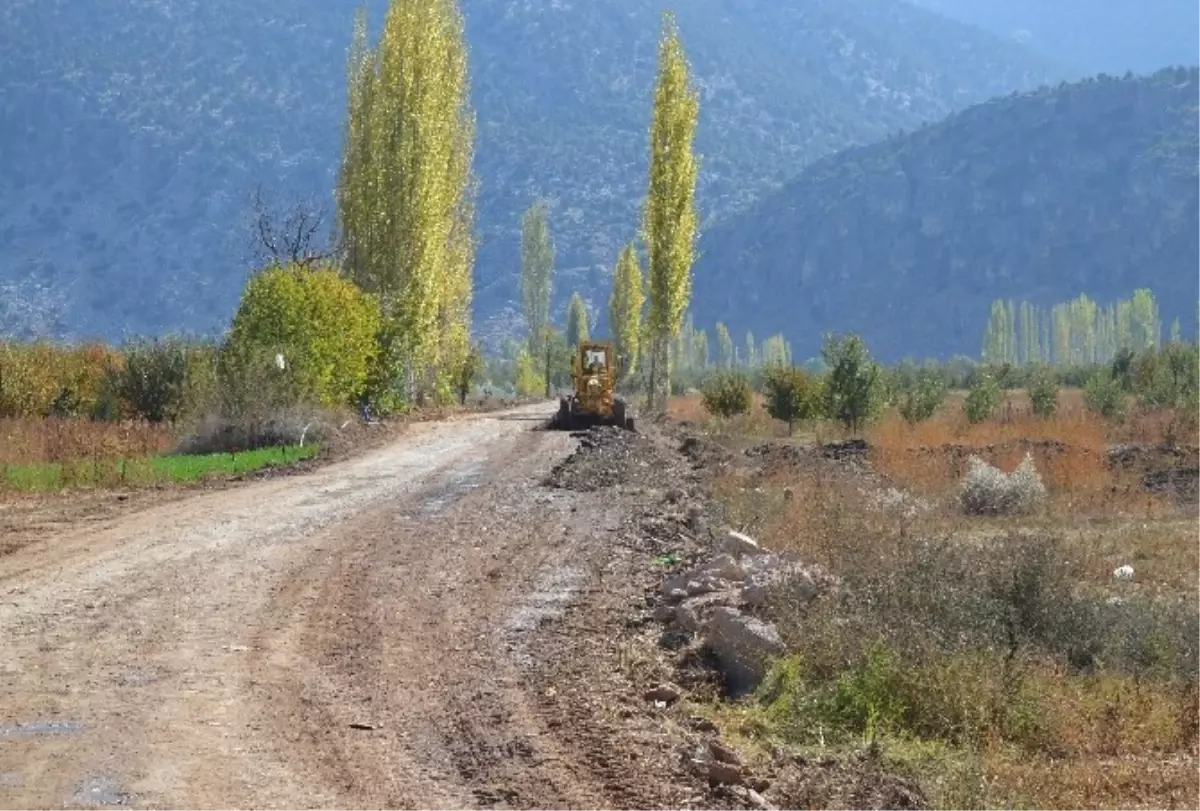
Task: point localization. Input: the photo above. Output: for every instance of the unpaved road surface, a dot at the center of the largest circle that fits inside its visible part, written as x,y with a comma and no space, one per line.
362,635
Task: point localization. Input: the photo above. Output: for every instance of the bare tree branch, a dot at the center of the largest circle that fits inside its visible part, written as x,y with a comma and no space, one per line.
293,238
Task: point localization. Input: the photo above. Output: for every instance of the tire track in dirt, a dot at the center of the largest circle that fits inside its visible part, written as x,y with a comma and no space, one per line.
426,626
406,627
143,632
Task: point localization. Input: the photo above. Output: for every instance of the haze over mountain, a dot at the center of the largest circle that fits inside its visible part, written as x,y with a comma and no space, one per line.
1112,36
1087,187
134,133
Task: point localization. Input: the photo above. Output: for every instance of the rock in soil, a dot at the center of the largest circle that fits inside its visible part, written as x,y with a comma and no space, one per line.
692,614
738,544
724,774
724,753
666,693
744,646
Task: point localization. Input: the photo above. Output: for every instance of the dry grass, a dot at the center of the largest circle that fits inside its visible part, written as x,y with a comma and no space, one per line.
73,452
1069,451
36,440
743,429
1040,730
688,408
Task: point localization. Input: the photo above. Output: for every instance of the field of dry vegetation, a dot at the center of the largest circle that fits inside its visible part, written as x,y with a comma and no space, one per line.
998,660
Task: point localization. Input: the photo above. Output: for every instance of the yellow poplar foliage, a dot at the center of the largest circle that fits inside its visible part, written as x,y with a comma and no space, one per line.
537,274
669,218
40,379
625,310
578,330
405,189
529,381
323,325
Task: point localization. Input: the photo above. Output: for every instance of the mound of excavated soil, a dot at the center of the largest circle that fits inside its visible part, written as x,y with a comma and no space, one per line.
853,451
703,452
608,457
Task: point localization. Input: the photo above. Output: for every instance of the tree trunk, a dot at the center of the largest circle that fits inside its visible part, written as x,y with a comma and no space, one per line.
651,392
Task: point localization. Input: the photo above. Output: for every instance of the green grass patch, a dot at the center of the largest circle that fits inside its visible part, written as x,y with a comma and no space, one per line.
177,469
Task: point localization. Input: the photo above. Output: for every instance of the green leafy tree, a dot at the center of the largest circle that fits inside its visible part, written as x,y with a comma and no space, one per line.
527,379
669,218
322,326
406,192
853,389
153,379
537,274
1043,392
1103,395
776,352
625,311
789,394
557,358
577,322
1122,368
983,398
727,393
920,399
999,341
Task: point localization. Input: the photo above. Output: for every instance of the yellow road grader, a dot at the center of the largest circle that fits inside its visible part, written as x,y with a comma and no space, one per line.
594,401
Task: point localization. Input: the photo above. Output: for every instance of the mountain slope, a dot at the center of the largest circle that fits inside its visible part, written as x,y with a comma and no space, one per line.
134,134
1089,187
1112,36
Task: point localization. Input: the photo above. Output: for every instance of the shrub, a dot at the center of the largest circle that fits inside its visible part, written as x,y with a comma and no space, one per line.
853,387
983,399
789,394
324,326
1103,395
250,403
986,490
920,399
469,372
265,428
1043,392
726,394
151,382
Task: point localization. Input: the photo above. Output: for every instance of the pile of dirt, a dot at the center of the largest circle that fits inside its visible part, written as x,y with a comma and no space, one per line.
1153,456
704,453
608,456
774,454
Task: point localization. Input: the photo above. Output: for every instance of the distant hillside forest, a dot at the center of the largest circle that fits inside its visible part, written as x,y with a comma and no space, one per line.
133,135
1090,186
1098,36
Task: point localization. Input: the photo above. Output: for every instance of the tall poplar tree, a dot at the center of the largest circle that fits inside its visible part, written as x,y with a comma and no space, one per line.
669,217
577,322
406,190
537,274
724,346
625,310
997,339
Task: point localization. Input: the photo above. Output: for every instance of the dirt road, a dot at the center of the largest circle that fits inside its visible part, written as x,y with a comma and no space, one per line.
356,636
